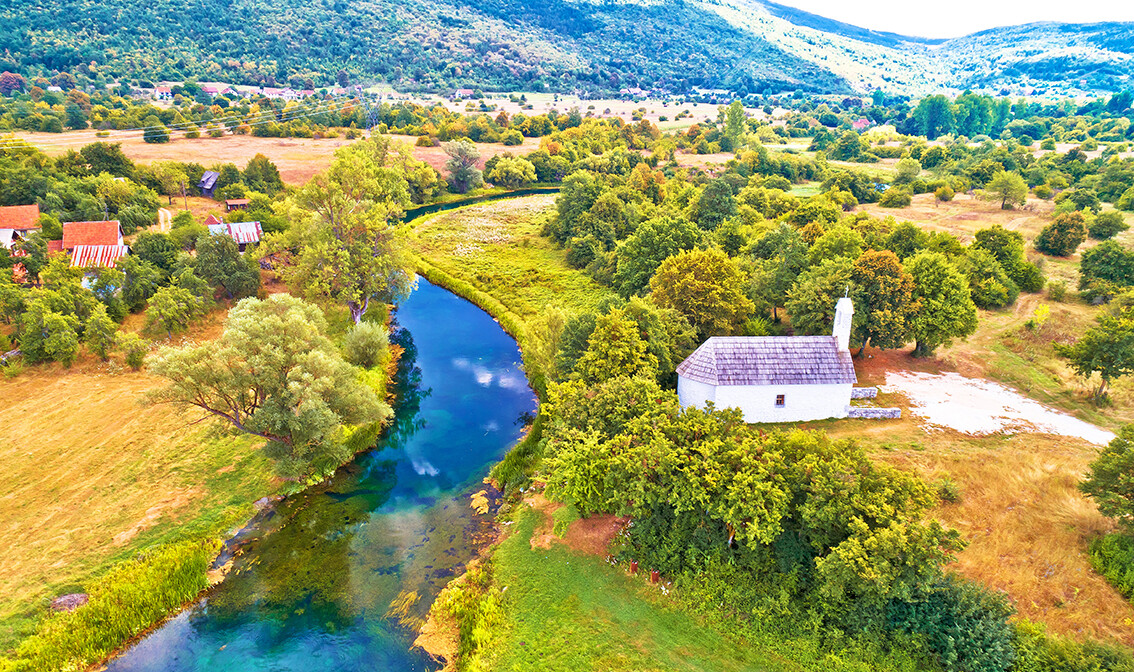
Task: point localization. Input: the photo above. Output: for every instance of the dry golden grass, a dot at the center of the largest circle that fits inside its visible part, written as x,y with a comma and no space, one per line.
93,476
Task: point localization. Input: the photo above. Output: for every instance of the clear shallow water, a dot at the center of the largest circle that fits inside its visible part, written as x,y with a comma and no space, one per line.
313,589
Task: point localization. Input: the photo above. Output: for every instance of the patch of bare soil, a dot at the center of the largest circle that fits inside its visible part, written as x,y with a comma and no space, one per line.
593,535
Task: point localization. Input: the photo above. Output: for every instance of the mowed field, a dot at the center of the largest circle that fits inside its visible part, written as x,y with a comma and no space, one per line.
298,159
93,476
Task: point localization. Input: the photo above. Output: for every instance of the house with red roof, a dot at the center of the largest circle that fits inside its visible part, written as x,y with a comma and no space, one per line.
163,93
16,222
94,244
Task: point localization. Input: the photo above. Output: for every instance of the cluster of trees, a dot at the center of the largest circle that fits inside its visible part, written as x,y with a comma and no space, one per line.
728,253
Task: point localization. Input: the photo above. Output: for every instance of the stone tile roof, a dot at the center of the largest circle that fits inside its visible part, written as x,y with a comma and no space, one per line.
769,360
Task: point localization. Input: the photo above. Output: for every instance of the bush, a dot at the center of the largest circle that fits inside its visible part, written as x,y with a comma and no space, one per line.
1037,651
1057,290
426,141
944,193
512,137
895,198
1107,225
366,344
1113,557
135,348
1063,236
1043,191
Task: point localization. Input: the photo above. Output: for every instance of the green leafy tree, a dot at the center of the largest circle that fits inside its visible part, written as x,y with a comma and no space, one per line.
838,241
142,280
934,116
945,305
615,348
262,175
654,241
274,374
884,301
512,173
343,245
13,298
366,344
706,288
906,170
1108,261
1063,236
735,124
220,264
784,256
100,333
1009,188
811,301
989,285
1106,349
1107,225
156,248
155,132
713,205
1109,481
170,176
135,348
172,309
48,335
462,166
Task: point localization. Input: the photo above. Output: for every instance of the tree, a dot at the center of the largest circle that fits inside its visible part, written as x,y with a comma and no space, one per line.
934,116
156,248
706,288
105,157
100,333
135,348
839,241
1108,261
785,256
142,280
989,285
1109,481
463,173
945,305
713,205
907,169
654,241
155,132
811,301
262,175
172,309
11,82
1063,236
170,176
342,245
48,335
615,348
220,264
1106,349
735,124
1107,225
274,374
512,173
1009,188
884,303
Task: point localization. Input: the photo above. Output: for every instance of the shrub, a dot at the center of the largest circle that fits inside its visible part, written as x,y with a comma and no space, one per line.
1043,191
1063,236
366,344
944,193
425,141
895,198
1107,225
135,348
1113,557
1057,290
512,137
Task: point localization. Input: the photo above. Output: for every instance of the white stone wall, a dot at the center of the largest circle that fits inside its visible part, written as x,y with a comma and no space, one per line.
758,402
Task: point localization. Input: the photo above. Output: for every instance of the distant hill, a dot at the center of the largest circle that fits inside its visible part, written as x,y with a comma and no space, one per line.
745,46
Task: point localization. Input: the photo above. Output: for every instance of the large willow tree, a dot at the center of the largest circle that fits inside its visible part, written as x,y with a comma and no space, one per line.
274,374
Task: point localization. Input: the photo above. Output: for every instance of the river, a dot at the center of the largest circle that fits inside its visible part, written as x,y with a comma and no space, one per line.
338,577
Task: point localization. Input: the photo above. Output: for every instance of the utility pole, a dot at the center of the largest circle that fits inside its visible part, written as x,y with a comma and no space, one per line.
184,198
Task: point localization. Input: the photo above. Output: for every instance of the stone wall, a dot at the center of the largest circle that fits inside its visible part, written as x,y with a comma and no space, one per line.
870,413
863,392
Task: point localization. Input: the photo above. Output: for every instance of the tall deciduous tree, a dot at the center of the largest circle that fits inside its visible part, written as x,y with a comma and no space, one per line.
654,241
462,166
945,306
614,349
1109,481
1009,188
343,245
274,374
884,300
219,263
707,288
1063,236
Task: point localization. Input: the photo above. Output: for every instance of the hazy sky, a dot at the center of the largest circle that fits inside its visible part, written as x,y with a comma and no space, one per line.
960,17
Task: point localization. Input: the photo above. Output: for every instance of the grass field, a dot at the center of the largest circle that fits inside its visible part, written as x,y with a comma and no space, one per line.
567,609
93,477
298,159
497,247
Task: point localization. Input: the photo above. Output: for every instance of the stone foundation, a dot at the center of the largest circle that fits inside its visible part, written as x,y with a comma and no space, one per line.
869,413
863,392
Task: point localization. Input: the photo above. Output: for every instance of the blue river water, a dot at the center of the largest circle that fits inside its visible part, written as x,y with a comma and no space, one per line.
339,577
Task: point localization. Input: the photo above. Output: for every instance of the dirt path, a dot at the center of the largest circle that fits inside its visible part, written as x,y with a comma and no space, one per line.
165,220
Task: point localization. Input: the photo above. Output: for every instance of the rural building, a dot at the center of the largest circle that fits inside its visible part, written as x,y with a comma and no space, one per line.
244,233
236,204
93,244
208,183
163,93
774,378
16,222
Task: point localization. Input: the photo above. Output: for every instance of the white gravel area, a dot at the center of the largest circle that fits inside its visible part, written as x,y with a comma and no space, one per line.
975,406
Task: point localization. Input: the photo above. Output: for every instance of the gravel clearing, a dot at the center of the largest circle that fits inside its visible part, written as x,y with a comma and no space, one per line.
977,407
